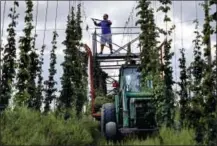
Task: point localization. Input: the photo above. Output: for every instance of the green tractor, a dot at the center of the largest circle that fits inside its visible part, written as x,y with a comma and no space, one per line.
132,111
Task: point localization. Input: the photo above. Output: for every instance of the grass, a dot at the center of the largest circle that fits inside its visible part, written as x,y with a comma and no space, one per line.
27,127
166,137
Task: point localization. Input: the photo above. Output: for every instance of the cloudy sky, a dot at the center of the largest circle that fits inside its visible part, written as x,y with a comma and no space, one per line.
120,13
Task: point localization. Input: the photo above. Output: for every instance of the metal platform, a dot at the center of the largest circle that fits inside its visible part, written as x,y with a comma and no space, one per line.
101,57
114,60
111,63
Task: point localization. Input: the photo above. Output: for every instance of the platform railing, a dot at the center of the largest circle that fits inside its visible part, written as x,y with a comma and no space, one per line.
116,56
95,35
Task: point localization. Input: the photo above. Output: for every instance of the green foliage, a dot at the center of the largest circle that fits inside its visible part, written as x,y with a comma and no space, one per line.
196,113
73,81
33,68
23,126
33,128
149,52
37,102
168,81
183,137
67,98
23,76
99,77
198,63
79,66
102,99
147,40
166,136
214,15
9,58
152,69
214,18
159,98
167,99
29,126
51,90
78,22
208,82
207,31
183,93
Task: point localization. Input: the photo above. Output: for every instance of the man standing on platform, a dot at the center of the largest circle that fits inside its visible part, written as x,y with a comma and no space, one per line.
106,37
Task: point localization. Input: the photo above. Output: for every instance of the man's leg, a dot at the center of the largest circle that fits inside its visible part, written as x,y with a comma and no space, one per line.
110,43
102,47
103,41
110,46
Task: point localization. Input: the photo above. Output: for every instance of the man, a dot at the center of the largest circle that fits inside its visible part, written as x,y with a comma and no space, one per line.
106,32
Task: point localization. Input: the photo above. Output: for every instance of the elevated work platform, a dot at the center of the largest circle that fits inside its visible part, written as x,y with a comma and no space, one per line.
104,68
102,57
111,63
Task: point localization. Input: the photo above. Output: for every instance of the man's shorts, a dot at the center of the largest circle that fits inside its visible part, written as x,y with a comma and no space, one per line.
106,38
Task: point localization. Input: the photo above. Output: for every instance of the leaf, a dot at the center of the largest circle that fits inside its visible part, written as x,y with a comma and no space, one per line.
161,8
16,3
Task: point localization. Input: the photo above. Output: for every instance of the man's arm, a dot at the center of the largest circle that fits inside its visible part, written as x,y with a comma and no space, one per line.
97,24
109,22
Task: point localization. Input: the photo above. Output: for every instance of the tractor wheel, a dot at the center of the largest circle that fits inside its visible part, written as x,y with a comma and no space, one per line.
109,112
108,121
102,123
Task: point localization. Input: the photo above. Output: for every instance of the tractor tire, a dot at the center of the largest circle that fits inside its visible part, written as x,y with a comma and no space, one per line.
102,123
109,112
108,119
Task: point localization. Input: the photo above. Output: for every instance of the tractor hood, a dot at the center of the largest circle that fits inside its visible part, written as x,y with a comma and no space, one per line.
139,94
